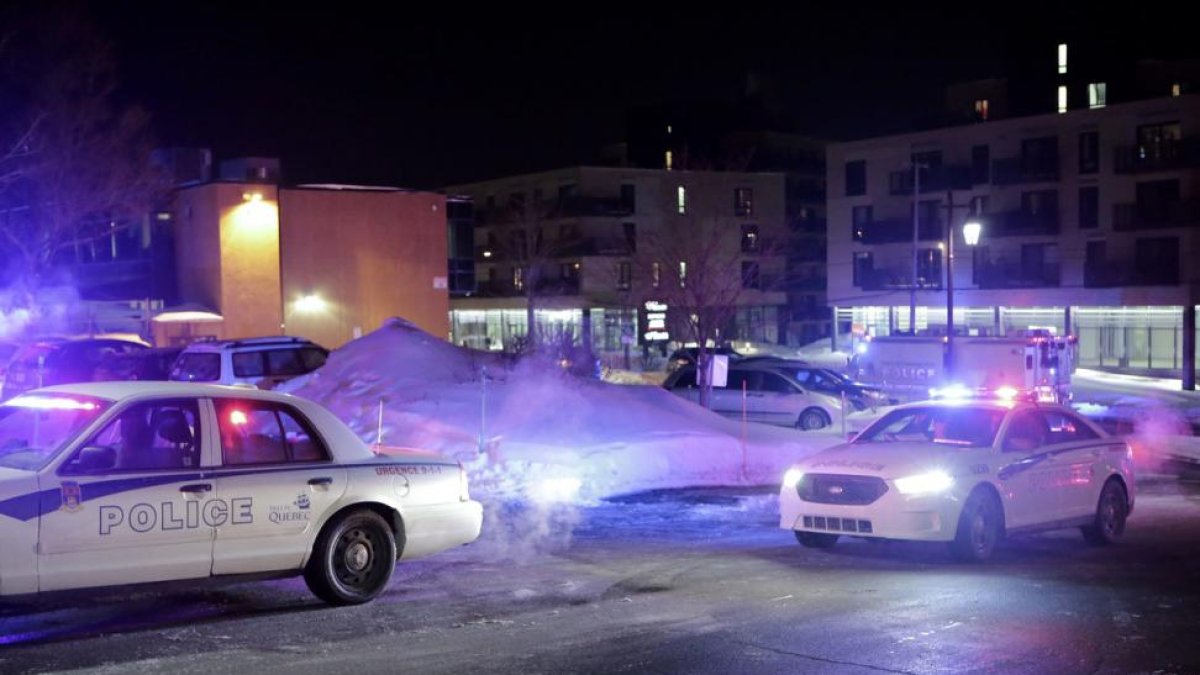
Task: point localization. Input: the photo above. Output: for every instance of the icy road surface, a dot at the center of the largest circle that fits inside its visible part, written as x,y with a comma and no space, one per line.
697,581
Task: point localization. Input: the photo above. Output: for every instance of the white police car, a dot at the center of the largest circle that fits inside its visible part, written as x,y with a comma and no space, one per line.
963,472
110,483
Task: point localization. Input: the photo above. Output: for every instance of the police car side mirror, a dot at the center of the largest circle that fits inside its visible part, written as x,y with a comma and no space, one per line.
95,459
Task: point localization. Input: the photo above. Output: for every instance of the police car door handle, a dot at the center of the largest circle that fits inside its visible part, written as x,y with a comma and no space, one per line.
323,480
196,487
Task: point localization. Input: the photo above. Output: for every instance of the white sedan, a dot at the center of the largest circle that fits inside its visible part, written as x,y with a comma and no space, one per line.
111,483
963,472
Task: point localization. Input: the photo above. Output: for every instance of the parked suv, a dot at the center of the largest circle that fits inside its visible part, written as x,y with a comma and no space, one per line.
258,362
772,396
60,361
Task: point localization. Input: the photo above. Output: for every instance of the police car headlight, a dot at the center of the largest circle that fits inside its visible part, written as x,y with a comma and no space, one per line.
792,478
925,483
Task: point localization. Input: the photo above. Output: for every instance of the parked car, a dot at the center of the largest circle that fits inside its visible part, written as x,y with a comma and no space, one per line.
964,472
687,356
60,361
828,381
258,362
147,364
772,396
114,483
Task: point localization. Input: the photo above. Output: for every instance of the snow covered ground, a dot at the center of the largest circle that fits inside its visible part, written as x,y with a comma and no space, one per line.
528,429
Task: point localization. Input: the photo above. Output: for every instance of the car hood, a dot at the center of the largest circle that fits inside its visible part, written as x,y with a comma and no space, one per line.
887,460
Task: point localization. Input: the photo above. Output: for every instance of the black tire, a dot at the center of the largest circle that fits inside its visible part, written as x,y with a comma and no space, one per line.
812,419
353,559
1111,511
816,539
980,526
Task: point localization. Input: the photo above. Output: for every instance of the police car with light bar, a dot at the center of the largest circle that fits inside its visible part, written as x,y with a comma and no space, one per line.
967,472
113,483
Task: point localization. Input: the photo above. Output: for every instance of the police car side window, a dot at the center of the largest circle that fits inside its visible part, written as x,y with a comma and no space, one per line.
258,432
1066,428
150,436
1027,432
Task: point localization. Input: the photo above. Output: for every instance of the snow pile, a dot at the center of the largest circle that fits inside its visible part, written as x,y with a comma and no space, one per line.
545,436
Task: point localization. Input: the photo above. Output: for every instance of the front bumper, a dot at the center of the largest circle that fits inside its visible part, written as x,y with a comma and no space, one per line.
892,516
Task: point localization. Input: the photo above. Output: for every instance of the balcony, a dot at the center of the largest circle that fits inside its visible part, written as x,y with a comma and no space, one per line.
1130,217
893,279
1018,170
1020,224
1184,154
937,179
1114,273
1016,275
586,206
896,231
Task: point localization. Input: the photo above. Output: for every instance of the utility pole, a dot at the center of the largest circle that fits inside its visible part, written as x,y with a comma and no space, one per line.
916,220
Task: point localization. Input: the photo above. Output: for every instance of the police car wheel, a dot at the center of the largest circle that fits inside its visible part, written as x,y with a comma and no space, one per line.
1111,511
812,419
979,528
352,560
816,539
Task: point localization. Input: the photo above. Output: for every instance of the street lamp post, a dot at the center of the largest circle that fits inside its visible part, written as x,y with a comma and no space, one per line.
971,231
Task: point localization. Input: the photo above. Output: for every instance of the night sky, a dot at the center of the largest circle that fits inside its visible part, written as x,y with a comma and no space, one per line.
351,93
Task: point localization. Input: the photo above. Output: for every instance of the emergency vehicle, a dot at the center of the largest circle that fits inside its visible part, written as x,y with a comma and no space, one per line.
114,483
1037,365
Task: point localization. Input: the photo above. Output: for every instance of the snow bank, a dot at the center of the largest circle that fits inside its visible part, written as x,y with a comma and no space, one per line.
528,430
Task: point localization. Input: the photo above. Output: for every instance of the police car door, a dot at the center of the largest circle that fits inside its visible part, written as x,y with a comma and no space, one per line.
135,505
1030,472
273,459
1078,449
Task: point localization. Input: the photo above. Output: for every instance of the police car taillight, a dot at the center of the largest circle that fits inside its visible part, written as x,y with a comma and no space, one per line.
463,495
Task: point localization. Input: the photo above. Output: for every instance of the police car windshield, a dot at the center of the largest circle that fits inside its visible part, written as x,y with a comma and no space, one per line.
968,427
33,429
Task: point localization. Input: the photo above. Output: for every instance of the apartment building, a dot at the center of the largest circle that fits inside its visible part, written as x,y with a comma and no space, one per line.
1091,218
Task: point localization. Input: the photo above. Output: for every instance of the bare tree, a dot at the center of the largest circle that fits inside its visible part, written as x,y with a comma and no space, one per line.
703,265
75,166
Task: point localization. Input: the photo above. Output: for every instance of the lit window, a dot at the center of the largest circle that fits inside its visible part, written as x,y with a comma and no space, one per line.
518,278
1062,99
668,161
1097,95
682,274
681,199
1176,89
1062,58
981,109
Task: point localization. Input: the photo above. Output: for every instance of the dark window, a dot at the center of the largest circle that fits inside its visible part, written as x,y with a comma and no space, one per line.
861,217
630,230
864,267
750,276
1089,207
624,276
776,384
927,163
931,212
260,432
565,192
628,197
285,362
1089,152
750,243
980,164
149,436
856,178
929,267
1157,259
516,202
743,202
249,364
738,379
1040,202
197,367
1036,259
1156,199
1039,155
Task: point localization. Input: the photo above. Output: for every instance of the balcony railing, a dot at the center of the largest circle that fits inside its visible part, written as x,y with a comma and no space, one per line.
1016,170
937,179
1013,275
1020,224
894,278
896,230
1128,217
1113,273
1184,154
574,206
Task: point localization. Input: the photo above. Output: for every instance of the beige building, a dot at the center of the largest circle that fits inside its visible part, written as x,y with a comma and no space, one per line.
328,263
1090,221
582,225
